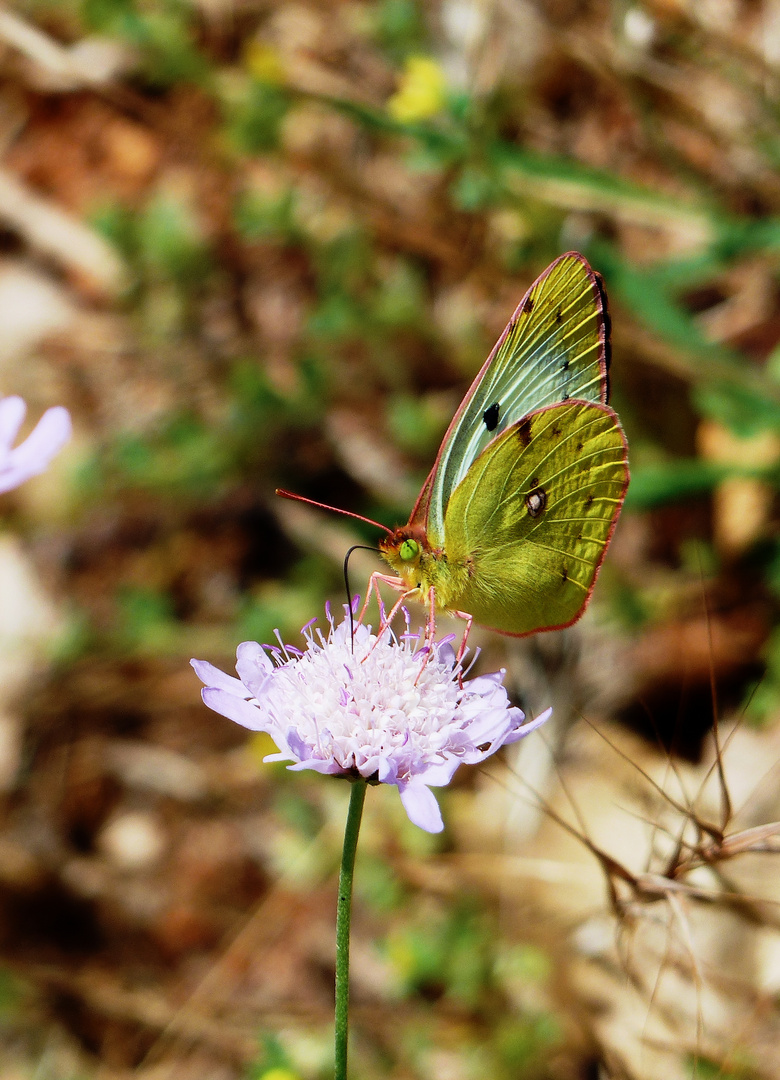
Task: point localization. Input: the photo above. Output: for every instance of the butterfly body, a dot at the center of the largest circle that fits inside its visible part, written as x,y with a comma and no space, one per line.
513,522
428,570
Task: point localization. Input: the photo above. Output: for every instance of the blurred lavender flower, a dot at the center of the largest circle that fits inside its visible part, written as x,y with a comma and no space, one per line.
32,456
372,707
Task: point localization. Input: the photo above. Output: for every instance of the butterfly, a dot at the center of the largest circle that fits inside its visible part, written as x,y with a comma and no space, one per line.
515,517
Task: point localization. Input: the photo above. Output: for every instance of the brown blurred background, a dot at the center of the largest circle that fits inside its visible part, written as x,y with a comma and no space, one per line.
256,244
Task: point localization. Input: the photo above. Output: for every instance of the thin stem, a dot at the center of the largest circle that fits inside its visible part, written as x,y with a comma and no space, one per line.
343,917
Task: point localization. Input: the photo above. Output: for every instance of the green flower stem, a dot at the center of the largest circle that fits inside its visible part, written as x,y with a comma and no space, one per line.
343,917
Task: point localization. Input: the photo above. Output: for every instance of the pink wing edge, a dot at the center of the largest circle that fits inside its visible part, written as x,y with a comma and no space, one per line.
419,514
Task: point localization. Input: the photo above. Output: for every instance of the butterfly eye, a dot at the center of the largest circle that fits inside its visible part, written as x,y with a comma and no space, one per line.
409,550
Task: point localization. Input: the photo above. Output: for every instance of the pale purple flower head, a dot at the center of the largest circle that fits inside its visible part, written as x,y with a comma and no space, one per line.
32,456
371,707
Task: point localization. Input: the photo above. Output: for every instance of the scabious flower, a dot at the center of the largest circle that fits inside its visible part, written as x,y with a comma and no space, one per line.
375,706
32,456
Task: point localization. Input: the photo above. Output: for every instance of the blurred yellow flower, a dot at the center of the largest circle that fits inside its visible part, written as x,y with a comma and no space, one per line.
422,91
260,745
263,63
280,1074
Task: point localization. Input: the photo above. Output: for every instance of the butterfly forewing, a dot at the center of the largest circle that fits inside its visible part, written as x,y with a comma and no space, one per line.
554,348
533,517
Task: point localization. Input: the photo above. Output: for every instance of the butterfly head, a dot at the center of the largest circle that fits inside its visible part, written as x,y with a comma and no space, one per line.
421,566
406,549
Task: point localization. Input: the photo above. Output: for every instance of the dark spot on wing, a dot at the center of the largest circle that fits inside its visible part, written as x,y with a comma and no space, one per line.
535,482
536,501
556,431
559,316
565,379
565,573
490,416
528,306
524,432
588,502
580,447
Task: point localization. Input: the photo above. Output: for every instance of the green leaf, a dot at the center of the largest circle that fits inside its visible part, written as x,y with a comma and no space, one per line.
659,485
568,183
399,27
743,409
474,189
258,217
253,124
170,241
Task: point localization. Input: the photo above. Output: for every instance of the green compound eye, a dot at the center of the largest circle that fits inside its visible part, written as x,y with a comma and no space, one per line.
409,550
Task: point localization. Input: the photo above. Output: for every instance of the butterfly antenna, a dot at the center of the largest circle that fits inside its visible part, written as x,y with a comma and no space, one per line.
335,510
355,547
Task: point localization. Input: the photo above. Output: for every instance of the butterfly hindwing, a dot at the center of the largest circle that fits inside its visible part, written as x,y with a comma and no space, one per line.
534,515
556,347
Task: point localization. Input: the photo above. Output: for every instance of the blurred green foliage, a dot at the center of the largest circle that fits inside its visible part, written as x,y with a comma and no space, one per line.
702,1069
273,1062
399,26
252,123
449,955
13,994
163,32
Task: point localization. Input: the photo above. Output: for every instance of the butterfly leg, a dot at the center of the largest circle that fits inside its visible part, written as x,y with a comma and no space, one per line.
430,633
469,620
373,589
386,617
430,628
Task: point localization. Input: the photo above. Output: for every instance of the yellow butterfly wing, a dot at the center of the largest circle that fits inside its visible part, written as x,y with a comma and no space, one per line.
527,527
555,347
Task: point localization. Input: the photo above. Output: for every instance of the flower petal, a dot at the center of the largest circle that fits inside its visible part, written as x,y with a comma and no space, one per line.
387,770
12,412
485,685
34,455
297,747
221,701
212,676
253,665
491,724
319,765
527,728
421,807
440,774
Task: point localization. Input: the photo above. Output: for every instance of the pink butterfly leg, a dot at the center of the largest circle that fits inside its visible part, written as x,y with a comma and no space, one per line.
430,632
430,628
373,588
469,621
